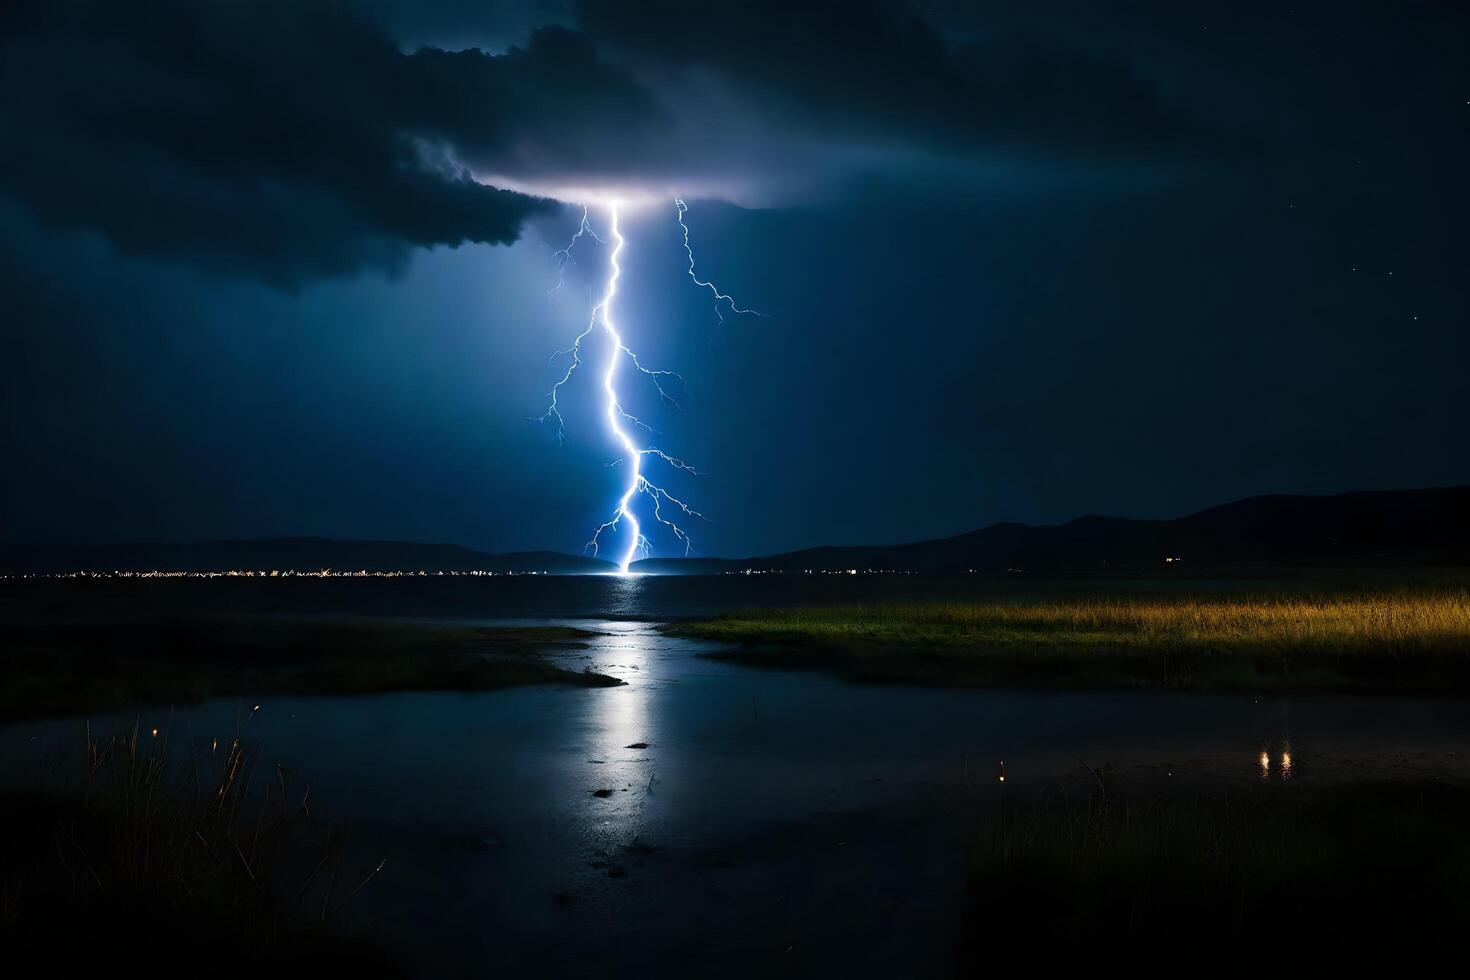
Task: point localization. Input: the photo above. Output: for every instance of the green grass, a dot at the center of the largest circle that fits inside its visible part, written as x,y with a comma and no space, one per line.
133,857
65,669
1381,866
1392,640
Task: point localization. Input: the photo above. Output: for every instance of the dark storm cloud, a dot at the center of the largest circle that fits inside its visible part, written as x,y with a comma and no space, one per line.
552,107
770,101
295,141
493,25
875,70
282,141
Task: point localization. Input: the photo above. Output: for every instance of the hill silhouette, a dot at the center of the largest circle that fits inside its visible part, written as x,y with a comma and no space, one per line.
1390,526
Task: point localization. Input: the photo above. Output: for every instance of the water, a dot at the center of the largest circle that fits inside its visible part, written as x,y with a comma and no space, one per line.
778,821
643,597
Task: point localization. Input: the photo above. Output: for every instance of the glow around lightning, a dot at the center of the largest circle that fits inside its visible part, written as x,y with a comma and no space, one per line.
667,510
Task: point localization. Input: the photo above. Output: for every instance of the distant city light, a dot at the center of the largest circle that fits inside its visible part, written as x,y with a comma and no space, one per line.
263,573
163,573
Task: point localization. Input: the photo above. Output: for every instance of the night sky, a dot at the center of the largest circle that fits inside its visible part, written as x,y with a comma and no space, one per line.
285,268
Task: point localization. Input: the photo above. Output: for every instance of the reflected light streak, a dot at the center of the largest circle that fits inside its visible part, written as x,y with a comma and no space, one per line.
615,723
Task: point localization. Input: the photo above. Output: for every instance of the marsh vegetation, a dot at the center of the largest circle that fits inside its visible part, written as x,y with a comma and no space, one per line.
1404,639
131,853
1322,873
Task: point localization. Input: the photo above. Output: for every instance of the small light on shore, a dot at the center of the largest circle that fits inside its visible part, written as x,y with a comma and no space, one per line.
155,733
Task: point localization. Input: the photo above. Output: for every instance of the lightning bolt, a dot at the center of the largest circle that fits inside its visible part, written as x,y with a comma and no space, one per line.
722,300
564,255
620,422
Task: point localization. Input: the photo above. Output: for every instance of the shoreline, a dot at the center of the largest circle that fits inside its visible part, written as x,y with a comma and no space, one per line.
56,670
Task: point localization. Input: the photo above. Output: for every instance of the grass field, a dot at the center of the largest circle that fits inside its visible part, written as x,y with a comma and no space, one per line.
134,857
1309,874
1417,639
59,669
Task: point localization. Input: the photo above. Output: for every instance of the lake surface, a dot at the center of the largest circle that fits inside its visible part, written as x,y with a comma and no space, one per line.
642,597
777,823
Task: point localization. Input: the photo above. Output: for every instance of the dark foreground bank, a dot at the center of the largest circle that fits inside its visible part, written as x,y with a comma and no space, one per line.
1311,876
126,858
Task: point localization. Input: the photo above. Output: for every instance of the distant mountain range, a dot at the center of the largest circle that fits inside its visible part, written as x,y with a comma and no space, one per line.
1390,526
1393,526
287,554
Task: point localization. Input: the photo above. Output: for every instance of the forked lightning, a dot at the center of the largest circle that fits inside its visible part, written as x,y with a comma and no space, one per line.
665,509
